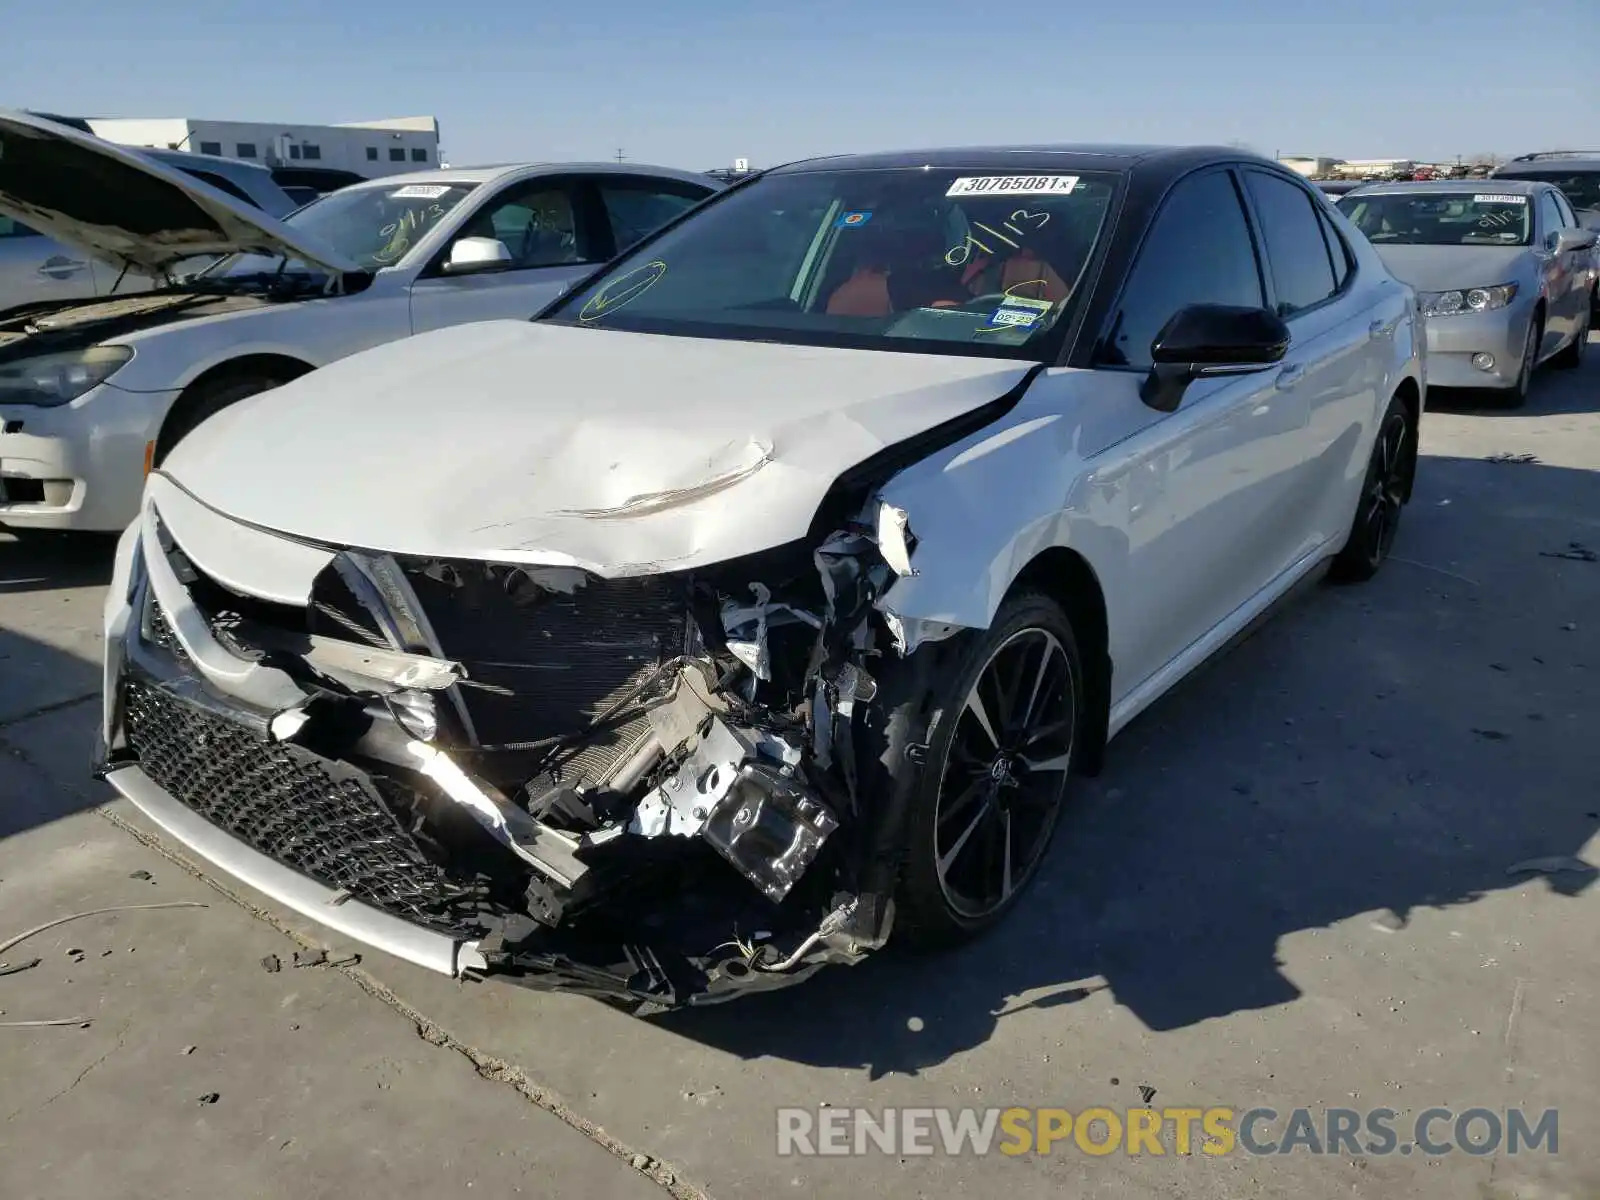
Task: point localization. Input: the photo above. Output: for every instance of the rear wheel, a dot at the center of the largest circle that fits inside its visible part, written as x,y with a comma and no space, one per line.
996,773
1383,496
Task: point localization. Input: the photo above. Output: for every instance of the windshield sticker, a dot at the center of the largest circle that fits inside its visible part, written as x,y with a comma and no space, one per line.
1013,185
420,191
852,220
1499,199
622,290
958,256
1016,312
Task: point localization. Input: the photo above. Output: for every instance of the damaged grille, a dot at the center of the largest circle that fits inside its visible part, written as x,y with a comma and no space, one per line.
564,657
321,819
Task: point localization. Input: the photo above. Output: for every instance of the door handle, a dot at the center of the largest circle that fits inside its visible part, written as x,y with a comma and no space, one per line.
59,267
1289,376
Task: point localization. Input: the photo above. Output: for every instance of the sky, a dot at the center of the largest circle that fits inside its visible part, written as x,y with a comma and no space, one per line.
697,84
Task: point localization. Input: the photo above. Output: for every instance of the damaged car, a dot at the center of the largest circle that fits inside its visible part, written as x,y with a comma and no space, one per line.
94,392
760,599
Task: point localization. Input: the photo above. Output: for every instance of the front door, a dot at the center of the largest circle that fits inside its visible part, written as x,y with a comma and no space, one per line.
548,227
34,268
1201,491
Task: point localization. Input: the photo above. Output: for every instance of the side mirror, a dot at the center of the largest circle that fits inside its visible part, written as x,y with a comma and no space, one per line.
1574,239
470,254
1203,341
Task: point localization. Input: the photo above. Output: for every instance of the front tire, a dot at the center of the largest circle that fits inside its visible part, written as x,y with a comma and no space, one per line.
1518,396
205,403
998,762
1571,358
1383,495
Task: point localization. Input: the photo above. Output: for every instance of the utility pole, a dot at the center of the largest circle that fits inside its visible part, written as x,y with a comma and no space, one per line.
619,153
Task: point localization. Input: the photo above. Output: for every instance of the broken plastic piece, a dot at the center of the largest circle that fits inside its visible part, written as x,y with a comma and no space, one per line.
895,539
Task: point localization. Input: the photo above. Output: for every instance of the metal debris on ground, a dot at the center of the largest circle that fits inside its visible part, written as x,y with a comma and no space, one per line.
187,1050
80,1022
272,964
310,958
1147,1092
93,912
1575,552
1520,459
1551,866
210,1098
142,875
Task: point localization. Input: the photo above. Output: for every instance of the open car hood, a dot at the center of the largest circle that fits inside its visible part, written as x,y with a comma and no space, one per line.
619,453
116,204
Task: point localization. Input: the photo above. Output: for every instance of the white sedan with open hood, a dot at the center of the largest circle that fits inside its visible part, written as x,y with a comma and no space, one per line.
761,597
93,393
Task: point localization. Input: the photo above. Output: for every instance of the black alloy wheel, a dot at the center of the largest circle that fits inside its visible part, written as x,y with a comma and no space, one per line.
996,773
1383,498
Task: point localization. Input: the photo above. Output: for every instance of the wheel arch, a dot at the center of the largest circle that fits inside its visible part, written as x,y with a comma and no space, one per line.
1410,395
1067,577
281,367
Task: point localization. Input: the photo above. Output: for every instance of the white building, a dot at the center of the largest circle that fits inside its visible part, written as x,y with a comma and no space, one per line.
368,148
1312,168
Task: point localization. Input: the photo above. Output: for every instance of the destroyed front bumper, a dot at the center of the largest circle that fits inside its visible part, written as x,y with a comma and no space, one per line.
198,741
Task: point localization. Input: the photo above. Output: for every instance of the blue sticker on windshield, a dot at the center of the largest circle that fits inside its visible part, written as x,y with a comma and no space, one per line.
851,220
1017,312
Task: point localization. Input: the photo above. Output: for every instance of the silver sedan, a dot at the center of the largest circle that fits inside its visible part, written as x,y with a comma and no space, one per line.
1505,274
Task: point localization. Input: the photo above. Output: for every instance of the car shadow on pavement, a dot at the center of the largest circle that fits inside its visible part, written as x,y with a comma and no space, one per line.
1416,742
50,673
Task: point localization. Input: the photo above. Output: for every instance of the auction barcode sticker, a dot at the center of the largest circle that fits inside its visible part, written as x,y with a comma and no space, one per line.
420,191
1499,199
1013,185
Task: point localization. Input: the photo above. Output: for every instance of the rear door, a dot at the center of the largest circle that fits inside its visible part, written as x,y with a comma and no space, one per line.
1337,356
34,268
555,233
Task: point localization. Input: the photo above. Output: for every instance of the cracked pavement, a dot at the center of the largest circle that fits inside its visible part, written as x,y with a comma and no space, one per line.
1297,883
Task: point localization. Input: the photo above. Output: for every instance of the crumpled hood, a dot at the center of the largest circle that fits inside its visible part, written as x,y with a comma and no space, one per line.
621,453
1451,268
122,207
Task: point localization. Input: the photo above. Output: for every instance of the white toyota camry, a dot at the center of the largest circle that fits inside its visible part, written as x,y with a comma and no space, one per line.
762,596
93,393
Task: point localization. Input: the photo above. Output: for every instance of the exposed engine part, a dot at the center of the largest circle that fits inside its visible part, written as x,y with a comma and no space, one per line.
746,625
685,799
769,826
831,924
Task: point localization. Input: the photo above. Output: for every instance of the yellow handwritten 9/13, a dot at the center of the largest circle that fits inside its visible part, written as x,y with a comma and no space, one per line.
1101,1131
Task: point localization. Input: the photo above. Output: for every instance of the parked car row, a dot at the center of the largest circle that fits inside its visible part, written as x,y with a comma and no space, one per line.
1507,268
760,597
95,393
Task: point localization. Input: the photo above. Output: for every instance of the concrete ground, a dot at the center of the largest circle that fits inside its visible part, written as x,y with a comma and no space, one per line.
1293,886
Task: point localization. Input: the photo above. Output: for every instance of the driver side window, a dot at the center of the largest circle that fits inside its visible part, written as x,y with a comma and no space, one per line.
536,223
1198,251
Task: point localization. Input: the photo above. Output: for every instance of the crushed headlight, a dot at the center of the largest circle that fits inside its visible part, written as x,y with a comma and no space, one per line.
55,379
1467,300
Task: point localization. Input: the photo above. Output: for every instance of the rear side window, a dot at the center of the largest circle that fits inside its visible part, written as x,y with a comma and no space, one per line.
1297,254
1198,251
1338,251
635,208
1549,214
223,185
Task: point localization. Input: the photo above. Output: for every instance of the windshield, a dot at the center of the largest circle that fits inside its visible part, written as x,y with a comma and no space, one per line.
907,259
1441,218
374,227
1582,187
